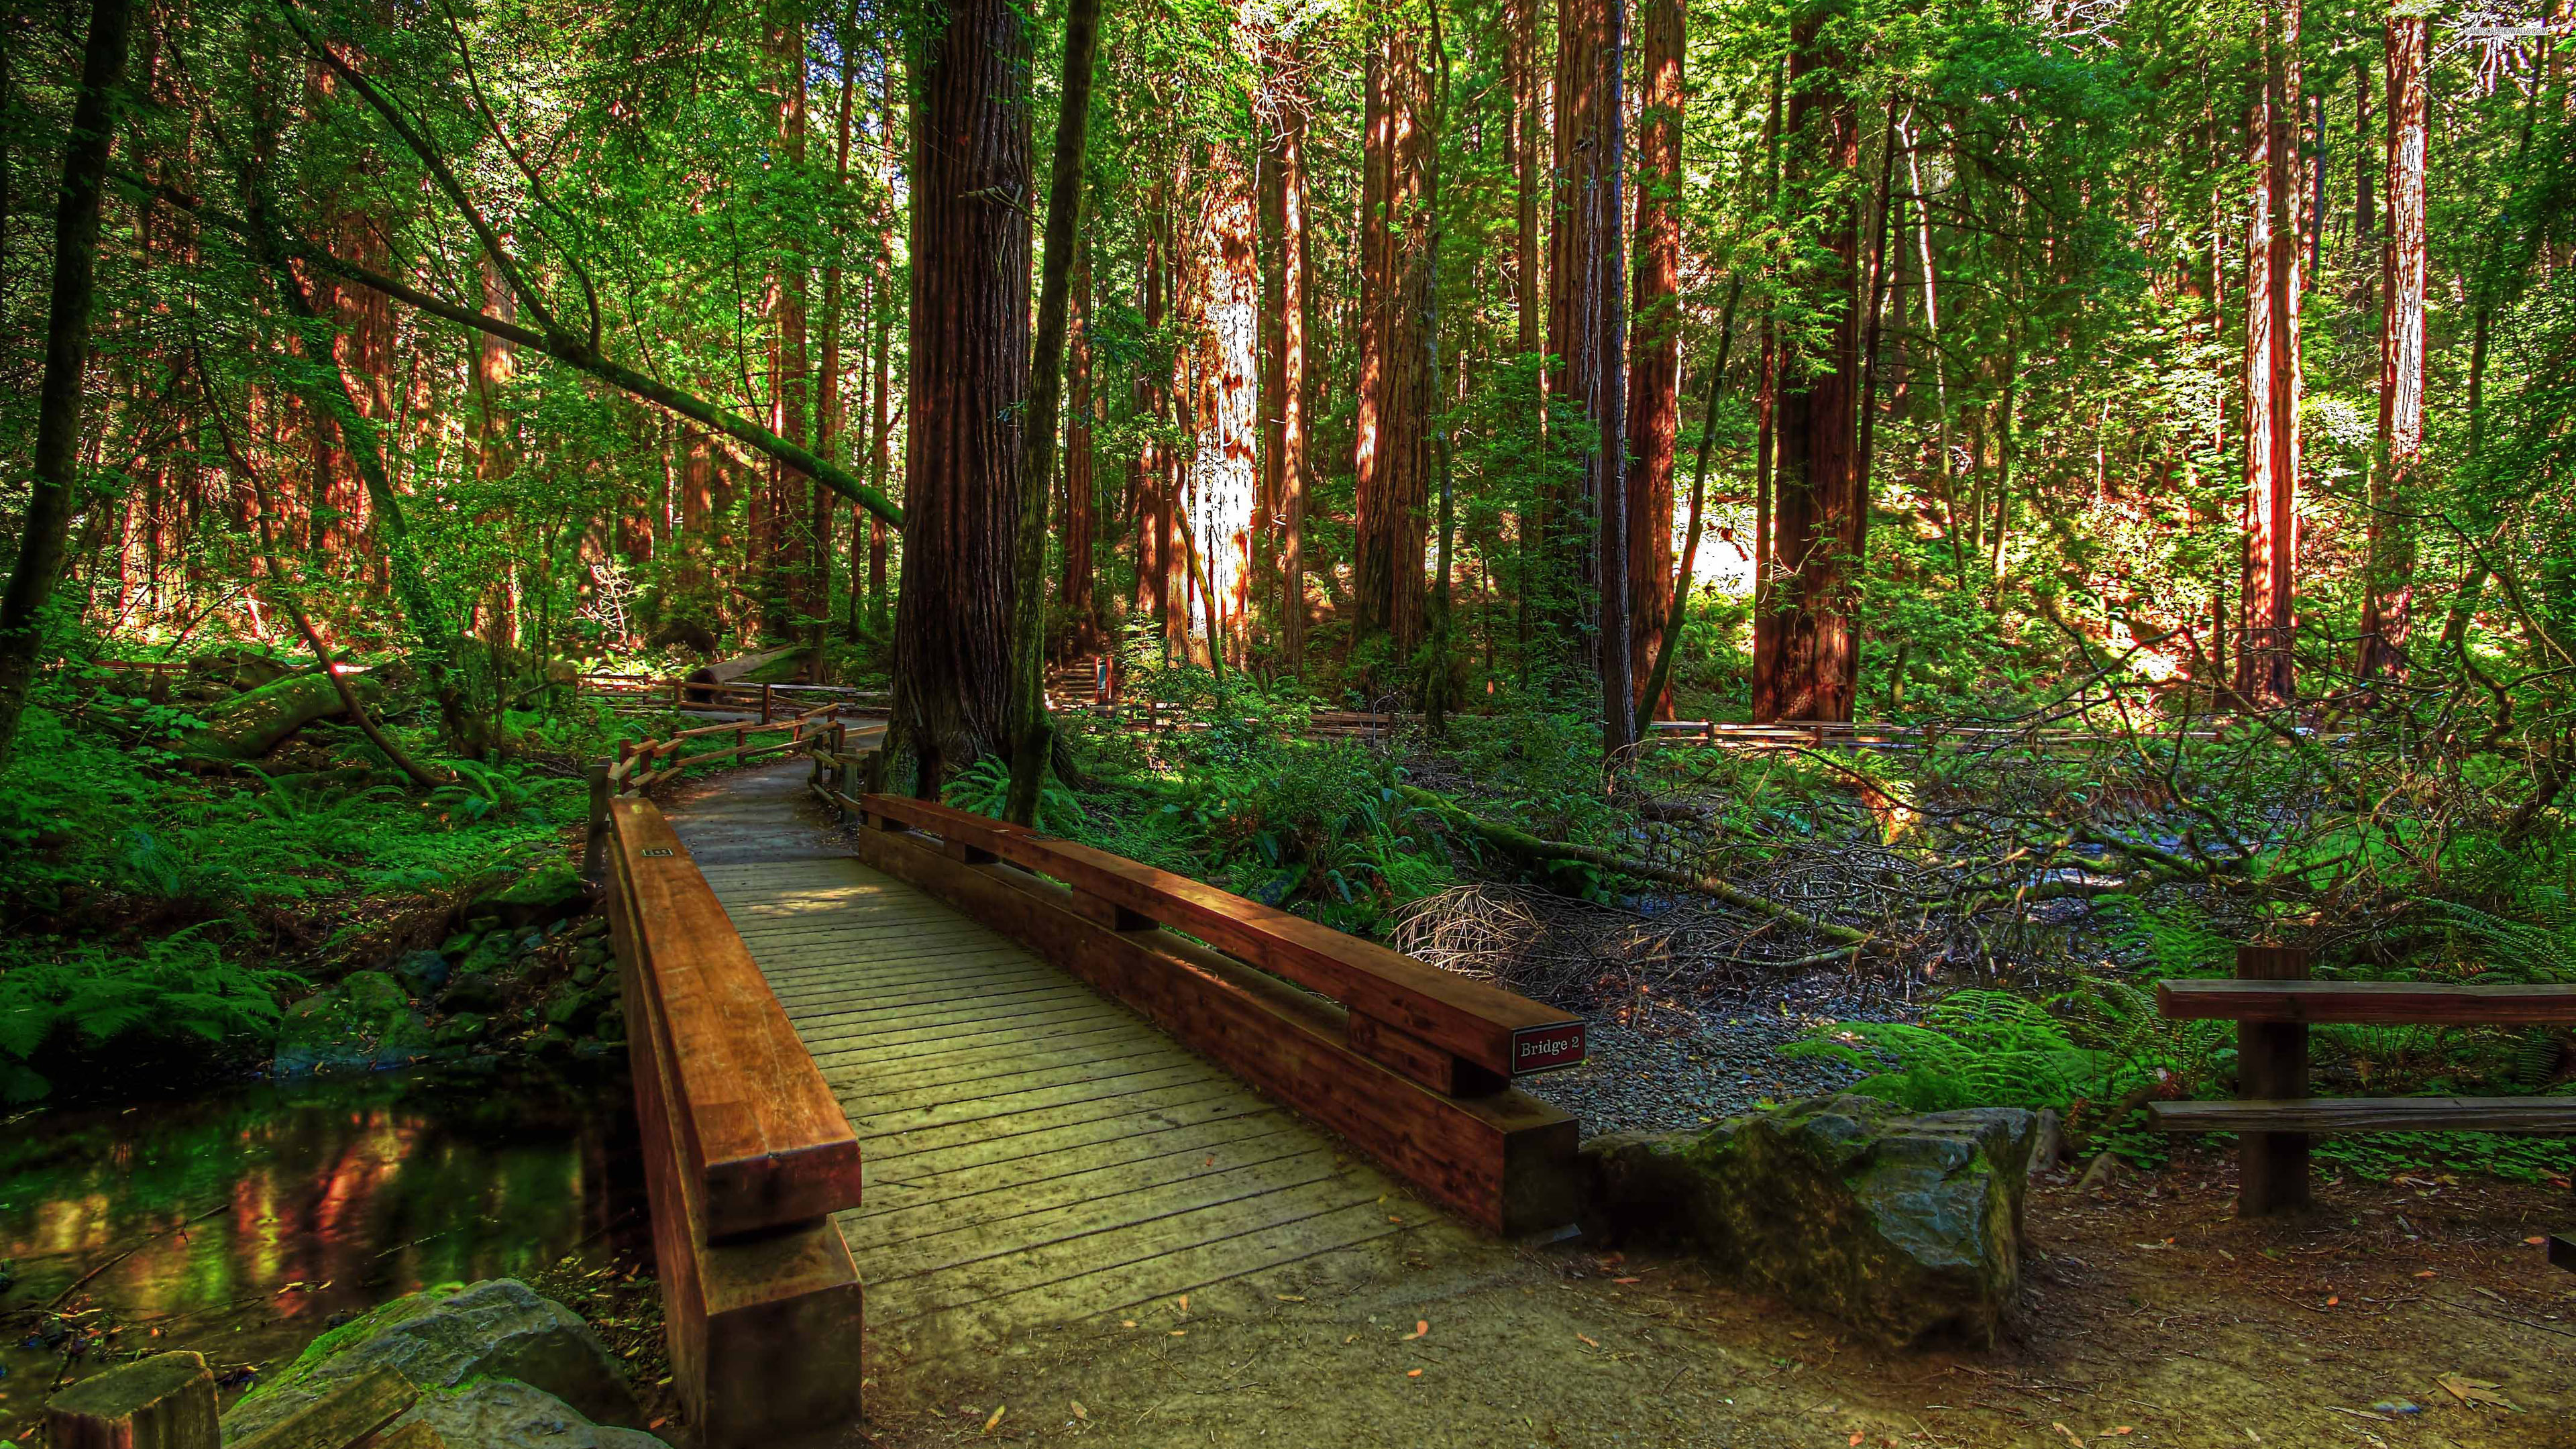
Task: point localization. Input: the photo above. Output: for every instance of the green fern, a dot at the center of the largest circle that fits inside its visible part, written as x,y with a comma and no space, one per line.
2176,941
178,985
2511,950
1972,1049
984,788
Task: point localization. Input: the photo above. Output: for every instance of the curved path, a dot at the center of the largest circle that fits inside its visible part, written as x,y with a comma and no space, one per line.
1034,1153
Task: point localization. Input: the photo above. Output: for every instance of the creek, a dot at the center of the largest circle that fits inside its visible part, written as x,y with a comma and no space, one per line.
242,1224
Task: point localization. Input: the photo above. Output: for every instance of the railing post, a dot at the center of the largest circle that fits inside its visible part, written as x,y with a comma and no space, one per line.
741,741
2271,1065
764,704
625,752
594,853
678,698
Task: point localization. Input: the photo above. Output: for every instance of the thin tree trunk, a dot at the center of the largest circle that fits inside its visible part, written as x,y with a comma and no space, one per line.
1655,368
1032,735
2389,588
46,533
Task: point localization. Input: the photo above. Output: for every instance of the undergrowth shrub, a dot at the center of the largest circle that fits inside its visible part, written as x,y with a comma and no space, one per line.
177,986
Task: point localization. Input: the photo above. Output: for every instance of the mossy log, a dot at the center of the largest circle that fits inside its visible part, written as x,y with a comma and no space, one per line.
253,724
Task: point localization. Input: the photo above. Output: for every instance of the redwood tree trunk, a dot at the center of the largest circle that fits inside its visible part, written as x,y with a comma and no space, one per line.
1395,400
1655,366
968,385
1283,371
2388,597
1081,488
1587,330
2264,659
1818,513
786,535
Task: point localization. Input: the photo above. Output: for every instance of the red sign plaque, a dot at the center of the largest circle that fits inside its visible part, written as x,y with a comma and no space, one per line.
1546,1048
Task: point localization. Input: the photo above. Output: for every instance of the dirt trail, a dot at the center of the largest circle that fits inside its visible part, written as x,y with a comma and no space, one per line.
2151,1317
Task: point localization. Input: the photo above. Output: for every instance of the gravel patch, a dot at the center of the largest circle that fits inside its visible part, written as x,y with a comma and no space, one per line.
1691,1065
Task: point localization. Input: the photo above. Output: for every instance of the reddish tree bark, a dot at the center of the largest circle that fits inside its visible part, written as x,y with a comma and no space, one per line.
1394,447
1284,381
2388,596
1587,329
2265,673
785,537
1081,488
969,352
1819,515
1655,362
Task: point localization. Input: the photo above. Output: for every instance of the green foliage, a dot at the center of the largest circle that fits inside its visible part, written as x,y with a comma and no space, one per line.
2174,942
484,792
985,787
1973,1048
176,985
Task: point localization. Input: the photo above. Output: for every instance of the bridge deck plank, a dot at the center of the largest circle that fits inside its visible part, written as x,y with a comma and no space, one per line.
1034,1152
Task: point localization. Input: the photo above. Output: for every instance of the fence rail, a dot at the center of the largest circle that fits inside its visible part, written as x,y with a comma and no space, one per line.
2274,1001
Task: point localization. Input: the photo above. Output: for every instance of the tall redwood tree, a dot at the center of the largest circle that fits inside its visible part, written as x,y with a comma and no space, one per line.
1655,344
968,385
1588,327
1810,667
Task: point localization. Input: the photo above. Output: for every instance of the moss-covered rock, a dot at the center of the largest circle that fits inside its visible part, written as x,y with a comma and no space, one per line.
455,1340
1908,1227
553,894
363,1024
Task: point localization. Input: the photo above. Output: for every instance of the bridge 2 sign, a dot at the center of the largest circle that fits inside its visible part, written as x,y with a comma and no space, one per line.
1546,1048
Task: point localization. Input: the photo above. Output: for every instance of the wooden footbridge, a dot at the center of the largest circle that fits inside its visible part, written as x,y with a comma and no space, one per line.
1006,1081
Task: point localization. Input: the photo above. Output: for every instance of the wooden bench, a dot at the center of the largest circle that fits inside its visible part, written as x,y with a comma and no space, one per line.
1412,1064
2273,1002
746,1157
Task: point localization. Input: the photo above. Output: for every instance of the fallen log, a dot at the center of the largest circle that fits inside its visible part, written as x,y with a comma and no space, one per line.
252,725
1528,848
726,671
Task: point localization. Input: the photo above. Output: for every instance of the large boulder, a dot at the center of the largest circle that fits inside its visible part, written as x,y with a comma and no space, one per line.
1908,1227
507,1414
464,1338
363,1024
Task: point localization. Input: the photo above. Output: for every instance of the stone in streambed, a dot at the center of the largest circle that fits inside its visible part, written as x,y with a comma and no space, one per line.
465,1338
363,1024
425,972
1908,1227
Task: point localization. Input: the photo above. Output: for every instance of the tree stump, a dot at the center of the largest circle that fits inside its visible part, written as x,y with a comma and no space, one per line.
163,1402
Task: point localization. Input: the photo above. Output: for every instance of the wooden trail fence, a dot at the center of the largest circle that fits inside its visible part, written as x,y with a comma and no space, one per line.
2274,1001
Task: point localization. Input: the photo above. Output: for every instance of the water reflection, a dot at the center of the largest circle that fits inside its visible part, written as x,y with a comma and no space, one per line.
241,1225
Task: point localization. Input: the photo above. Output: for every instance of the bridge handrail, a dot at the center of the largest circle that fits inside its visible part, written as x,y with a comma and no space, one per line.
1408,1006
746,1156
759,1131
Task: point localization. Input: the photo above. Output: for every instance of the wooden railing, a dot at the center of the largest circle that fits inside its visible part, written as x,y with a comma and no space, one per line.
1414,1065
746,1157
2273,1002
646,691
